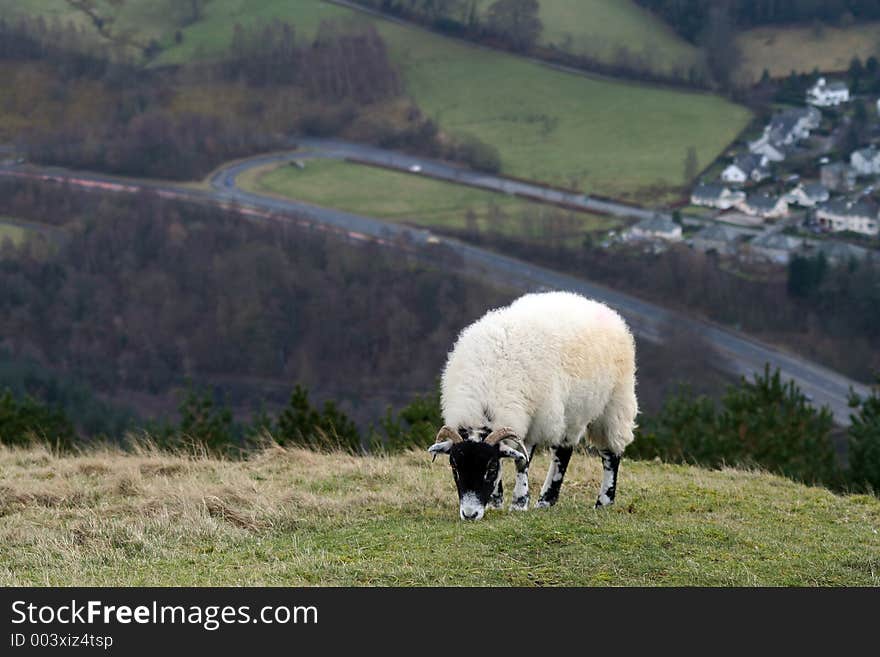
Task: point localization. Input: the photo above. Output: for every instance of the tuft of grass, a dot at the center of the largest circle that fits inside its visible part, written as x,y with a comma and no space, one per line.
294,517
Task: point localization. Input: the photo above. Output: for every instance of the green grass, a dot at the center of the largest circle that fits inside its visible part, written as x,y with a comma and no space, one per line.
300,518
607,137
600,28
12,232
414,199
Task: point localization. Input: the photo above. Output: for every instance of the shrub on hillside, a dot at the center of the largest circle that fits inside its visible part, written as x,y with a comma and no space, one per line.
765,422
864,442
414,426
25,420
302,424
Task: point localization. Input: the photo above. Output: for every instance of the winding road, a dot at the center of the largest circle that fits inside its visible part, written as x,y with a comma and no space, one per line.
743,355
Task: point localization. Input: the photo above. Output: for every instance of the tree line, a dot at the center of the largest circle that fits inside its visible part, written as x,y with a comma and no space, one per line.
691,18
146,292
516,25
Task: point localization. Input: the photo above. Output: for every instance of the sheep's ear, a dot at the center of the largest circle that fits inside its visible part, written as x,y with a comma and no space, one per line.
440,448
510,453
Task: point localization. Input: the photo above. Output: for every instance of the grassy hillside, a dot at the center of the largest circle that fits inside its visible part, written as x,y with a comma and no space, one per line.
292,517
412,199
804,48
609,137
601,28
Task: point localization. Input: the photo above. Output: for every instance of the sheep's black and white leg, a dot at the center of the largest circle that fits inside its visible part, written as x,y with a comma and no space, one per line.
560,456
520,500
496,500
610,464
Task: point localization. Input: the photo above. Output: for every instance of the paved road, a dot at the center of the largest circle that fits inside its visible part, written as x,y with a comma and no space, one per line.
743,355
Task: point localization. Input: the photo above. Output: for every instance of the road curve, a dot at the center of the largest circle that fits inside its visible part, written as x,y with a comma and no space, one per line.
743,355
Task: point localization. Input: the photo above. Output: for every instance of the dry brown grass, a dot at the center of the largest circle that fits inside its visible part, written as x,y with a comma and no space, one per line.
802,49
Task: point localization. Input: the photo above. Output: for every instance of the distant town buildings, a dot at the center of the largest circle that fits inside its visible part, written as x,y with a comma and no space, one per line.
838,176
716,196
827,94
748,166
719,238
808,195
656,227
856,216
866,161
765,205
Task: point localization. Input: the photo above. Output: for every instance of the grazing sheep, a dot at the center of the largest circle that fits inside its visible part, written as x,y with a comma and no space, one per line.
544,370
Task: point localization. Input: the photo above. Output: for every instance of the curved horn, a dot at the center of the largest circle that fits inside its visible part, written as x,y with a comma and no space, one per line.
448,433
500,434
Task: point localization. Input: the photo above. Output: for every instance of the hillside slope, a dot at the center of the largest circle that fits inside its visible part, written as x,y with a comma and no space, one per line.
292,517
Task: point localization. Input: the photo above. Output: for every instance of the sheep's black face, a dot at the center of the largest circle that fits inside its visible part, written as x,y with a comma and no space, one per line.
475,466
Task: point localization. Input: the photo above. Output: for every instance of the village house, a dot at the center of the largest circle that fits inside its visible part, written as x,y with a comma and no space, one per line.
747,166
775,247
838,177
764,205
716,196
656,227
808,195
827,94
785,130
856,216
721,239
866,161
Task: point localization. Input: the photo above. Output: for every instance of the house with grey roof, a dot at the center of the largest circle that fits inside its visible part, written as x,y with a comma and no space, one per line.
747,166
774,247
716,196
838,176
784,131
658,226
866,161
827,94
844,215
807,195
765,205
721,239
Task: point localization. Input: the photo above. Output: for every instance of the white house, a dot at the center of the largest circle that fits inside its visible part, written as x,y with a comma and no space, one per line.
785,129
855,216
656,227
866,161
808,195
746,167
827,94
763,205
716,196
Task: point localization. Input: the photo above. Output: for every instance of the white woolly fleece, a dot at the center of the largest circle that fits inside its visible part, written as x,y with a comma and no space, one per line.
548,365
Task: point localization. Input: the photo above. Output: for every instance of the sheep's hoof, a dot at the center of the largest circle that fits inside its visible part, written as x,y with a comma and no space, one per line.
544,503
603,501
520,504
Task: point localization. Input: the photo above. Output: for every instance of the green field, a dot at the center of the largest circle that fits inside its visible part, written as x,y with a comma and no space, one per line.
12,232
607,137
414,199
292,518
602,28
